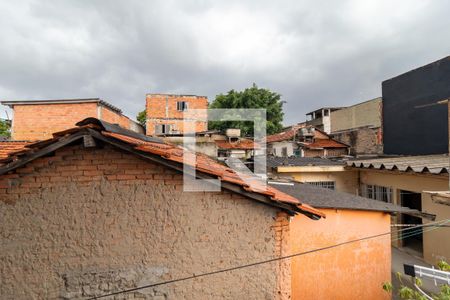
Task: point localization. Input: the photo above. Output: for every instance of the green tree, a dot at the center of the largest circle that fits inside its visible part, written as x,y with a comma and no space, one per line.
252,97
5,128
142,117
408,293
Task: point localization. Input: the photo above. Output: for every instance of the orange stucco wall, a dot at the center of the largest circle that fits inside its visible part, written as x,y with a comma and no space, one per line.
352,271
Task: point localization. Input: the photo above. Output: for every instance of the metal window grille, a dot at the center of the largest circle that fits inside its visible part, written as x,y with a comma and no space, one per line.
377,192
323,184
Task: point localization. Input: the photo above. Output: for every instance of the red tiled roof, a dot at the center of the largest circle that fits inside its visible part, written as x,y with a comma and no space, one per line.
9,147
322,143
175,154
243,144
282,136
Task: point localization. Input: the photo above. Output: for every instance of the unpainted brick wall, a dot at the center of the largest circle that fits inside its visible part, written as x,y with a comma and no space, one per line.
38,122
90,221
365,140
162,109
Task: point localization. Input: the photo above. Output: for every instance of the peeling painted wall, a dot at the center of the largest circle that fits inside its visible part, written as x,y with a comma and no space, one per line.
352,271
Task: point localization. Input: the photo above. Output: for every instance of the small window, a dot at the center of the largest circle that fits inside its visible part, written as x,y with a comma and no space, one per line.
377,192
326,112
163,128
323,184
182,105
222,153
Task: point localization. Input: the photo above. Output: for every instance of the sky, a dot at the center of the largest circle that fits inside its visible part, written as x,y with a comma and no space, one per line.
314,53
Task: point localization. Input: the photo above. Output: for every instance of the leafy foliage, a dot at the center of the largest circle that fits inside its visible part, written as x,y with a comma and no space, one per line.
142,117
252,97
5,128
408,293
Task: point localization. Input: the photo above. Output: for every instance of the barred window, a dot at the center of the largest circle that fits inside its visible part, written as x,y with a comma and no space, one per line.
376,192
182,105
323,184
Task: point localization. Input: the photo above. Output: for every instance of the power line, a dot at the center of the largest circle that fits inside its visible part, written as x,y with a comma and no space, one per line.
278,258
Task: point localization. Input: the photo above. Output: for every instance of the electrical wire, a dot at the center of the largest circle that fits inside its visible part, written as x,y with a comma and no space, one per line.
279,258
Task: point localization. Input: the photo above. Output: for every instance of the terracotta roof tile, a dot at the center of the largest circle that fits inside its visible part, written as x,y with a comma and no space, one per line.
11,147
242,144
282,136
172,153
322,143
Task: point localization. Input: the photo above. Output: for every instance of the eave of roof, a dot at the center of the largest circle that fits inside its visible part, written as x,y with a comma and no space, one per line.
242,144
431,164
158,151
326,198
11,103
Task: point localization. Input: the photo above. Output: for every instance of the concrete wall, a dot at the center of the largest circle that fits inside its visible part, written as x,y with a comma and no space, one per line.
367,264
345,181
276,148
404,97
436,243
359,115
91,221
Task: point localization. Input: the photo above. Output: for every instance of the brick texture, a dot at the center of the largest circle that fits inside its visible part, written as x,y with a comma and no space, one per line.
162,109
39,121
90,221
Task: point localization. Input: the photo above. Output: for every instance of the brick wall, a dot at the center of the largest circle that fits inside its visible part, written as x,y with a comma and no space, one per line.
162,109
90,221
38,122
364,140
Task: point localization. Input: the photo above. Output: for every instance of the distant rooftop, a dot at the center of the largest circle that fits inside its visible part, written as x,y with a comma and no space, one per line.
175,95
11,103
301,162
326,198
322,108
434,164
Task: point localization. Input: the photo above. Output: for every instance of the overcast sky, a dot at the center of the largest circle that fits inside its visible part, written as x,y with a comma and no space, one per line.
314,53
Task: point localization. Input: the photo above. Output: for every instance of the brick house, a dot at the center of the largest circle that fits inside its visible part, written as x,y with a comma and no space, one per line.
38,119
304,141
97,209
165,113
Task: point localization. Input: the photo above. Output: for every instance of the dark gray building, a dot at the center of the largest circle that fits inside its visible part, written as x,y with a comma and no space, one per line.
414,123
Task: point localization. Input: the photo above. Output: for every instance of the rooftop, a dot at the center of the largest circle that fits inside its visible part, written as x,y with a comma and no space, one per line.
432,164
11,103
242,144
155,150
327,198
7,147
323,143
301,162
322,108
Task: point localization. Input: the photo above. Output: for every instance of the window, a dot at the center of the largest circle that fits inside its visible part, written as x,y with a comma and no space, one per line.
182,105
284,152
163,128
376,192
323,184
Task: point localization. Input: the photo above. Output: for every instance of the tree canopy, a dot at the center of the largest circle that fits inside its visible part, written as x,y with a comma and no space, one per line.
5,127
142,117
252,97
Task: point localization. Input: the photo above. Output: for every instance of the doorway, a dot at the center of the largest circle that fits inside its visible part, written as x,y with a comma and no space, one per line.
412,242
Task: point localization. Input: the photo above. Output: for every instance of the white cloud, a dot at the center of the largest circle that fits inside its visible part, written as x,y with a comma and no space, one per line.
312,52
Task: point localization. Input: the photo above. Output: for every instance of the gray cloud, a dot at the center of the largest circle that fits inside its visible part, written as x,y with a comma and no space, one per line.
315,53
